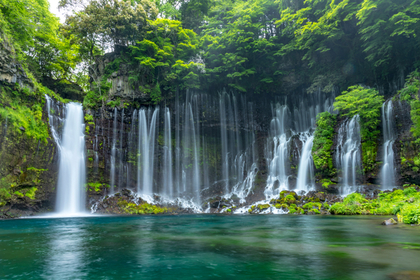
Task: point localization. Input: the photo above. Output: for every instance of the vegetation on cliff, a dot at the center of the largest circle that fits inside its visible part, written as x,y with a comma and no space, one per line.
403,203
323,142
366,103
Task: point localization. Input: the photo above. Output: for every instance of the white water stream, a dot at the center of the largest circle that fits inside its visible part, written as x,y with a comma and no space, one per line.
67,127
388,170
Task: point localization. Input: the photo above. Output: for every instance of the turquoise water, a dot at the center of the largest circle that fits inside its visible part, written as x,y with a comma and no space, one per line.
206,247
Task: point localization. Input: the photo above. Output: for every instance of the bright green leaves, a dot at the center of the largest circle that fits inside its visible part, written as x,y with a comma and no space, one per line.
366,103
238,42
161,56
410,94
383,23
361,101
323,141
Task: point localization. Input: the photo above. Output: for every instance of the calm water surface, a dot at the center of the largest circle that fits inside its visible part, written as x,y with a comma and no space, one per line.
206,247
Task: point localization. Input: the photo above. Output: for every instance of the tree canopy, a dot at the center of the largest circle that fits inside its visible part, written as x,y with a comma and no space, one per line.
249,46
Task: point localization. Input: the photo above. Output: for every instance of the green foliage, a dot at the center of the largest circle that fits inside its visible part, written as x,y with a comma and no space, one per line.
19,194
262,46
326,183
96,186
36,40
88,118
289,199
312,205
23,110
405,204
31,193
366,103
323,141
114,103
143,208
410,94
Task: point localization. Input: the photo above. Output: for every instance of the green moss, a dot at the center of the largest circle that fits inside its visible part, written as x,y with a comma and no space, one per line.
141,209
356,204
31,193
90,159
95,186
19,194
290,199
315,211
228,210
326,183
24,112
312,205
263,206
88,118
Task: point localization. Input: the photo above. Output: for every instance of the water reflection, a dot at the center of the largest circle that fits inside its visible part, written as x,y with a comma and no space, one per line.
66,253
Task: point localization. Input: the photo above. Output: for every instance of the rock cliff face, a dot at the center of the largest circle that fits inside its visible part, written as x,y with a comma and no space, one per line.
407,151
28,173
10,70
121,86
28,167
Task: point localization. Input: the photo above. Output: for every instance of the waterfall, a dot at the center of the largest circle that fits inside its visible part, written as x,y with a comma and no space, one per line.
113,151
224,140
305,181
190,161
71,144
201,142
121,165
348,154
303,113
278,177
167,156
388,171
146,149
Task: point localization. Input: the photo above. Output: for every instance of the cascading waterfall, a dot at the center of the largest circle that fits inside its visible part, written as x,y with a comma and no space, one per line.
146,149
238,146
305,181
71,144
348,154
304,115
278,176
113,151
388,171
167,156
121,165
186,147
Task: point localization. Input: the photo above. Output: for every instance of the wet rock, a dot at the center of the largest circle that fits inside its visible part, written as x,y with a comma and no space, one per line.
389,222
405,275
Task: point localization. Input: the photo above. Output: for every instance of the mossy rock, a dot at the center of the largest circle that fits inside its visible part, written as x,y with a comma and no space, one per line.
290,199
284,194
263,206
313,211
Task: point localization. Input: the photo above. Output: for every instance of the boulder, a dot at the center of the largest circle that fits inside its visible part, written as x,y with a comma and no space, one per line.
389,222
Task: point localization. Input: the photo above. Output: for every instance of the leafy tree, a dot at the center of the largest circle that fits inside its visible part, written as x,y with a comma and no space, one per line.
366,103
323,142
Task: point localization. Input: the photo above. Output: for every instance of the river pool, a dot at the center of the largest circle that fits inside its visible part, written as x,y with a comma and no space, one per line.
206,247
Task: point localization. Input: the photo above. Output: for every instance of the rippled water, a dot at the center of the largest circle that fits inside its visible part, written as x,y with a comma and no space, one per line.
206,247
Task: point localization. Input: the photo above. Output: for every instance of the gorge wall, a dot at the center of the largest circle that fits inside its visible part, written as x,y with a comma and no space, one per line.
193,148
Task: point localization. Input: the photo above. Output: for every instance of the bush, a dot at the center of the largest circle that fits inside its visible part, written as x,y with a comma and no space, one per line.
323,141
366,103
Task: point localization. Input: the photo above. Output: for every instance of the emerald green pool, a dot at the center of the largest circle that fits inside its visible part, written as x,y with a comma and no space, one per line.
206,247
